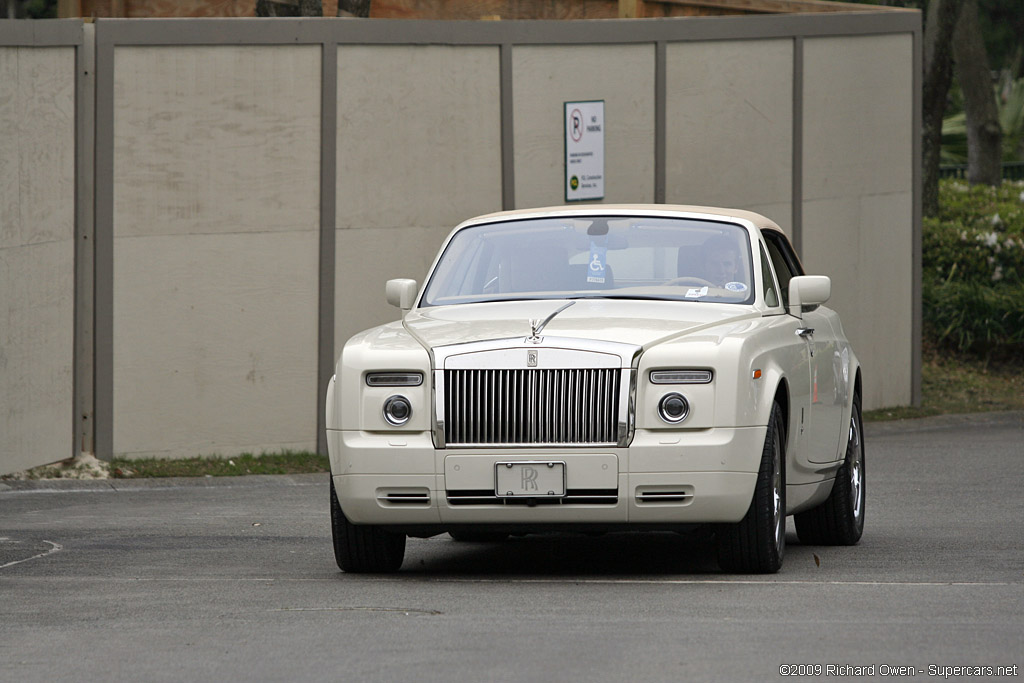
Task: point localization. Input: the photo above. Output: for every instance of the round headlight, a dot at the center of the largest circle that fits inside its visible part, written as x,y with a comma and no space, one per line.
397,410
673,408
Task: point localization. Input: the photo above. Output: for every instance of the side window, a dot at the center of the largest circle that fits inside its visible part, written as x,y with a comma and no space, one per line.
771,289
783,260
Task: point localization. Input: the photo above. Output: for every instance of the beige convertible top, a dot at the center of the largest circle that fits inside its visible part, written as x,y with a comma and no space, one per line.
679,210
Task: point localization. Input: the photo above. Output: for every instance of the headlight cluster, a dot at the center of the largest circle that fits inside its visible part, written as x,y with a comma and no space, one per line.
674,407
394,379
397,409
681,376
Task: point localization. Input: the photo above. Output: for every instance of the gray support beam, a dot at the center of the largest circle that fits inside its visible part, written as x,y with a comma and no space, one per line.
85,272
508,165
48,33
660,120
328,212
103,245
284,31
915,292
798,145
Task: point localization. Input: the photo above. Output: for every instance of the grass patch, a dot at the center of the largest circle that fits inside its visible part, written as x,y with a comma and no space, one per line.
287,462
958,384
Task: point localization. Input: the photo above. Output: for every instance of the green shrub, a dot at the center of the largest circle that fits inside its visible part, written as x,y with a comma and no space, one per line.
973,270
983,207
973,318
955,250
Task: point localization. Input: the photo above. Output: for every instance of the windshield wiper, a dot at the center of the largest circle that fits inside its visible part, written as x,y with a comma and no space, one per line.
501,300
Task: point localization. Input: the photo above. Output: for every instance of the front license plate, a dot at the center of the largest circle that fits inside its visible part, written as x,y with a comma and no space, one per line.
529,479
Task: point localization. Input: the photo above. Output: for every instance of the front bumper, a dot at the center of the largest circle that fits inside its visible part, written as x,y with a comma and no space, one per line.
677,477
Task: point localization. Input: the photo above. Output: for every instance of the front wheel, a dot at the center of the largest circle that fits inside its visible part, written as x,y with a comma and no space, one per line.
756,544
363,548
840,519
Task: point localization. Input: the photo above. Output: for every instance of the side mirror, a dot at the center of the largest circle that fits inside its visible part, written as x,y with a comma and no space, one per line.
806,292
401,293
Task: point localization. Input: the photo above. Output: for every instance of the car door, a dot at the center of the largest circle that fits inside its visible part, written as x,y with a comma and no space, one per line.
826,399
793,353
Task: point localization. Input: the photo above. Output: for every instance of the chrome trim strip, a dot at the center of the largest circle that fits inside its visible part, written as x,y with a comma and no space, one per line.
440,407
626,353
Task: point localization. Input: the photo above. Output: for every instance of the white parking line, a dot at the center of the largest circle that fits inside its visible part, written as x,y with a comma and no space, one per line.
421,578
55,548
726,582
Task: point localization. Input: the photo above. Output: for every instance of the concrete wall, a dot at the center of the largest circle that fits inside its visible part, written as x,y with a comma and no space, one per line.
216,223
858,198
37,254
252,184
544,77
729,132
413,159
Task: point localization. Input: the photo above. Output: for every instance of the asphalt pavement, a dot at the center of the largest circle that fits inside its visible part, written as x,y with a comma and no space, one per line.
234,579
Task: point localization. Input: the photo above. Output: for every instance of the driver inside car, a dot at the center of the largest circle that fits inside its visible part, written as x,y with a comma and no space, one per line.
720,261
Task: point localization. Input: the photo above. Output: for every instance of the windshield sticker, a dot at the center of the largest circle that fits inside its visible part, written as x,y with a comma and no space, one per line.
595,271
695,293
735,286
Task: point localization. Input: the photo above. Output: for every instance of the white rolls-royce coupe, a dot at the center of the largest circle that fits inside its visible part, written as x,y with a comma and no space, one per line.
601,368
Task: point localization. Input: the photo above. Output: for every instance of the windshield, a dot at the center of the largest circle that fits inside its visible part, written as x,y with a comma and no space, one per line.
595,257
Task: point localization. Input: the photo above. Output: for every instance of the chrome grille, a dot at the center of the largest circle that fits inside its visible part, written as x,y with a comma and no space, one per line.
534,407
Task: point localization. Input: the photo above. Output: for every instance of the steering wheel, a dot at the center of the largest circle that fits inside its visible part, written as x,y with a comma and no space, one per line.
689,280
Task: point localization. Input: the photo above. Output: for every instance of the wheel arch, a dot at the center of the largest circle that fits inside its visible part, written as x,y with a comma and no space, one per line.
782,398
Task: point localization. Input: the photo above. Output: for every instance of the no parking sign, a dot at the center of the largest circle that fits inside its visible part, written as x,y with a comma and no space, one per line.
584,150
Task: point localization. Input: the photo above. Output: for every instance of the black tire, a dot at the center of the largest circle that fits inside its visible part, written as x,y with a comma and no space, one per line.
756,544
363,548
469,536
840,519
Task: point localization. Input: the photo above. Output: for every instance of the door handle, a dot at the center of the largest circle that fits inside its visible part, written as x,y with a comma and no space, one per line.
805,332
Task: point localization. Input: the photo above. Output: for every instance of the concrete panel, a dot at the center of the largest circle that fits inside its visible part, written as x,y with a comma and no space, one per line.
36,311
419,135
544,78
216,139
37,155
215,344
871,285
858,99
729,109
37,147
414,159
367,258
858,198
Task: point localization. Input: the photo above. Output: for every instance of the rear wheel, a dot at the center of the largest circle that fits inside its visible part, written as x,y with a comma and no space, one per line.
840,519
757,543
363,548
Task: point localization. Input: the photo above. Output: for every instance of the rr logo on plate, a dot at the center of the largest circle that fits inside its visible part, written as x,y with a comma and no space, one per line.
529,479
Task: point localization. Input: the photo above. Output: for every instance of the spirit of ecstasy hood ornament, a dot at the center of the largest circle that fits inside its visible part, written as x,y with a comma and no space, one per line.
537,325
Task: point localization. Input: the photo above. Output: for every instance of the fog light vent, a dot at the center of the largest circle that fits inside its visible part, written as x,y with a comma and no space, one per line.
665,496
409,496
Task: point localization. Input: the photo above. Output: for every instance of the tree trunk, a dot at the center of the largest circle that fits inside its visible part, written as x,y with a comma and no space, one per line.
984,135
289,8
354,8
938,72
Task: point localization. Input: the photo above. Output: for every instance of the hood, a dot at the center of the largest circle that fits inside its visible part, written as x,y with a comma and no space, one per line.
635,322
